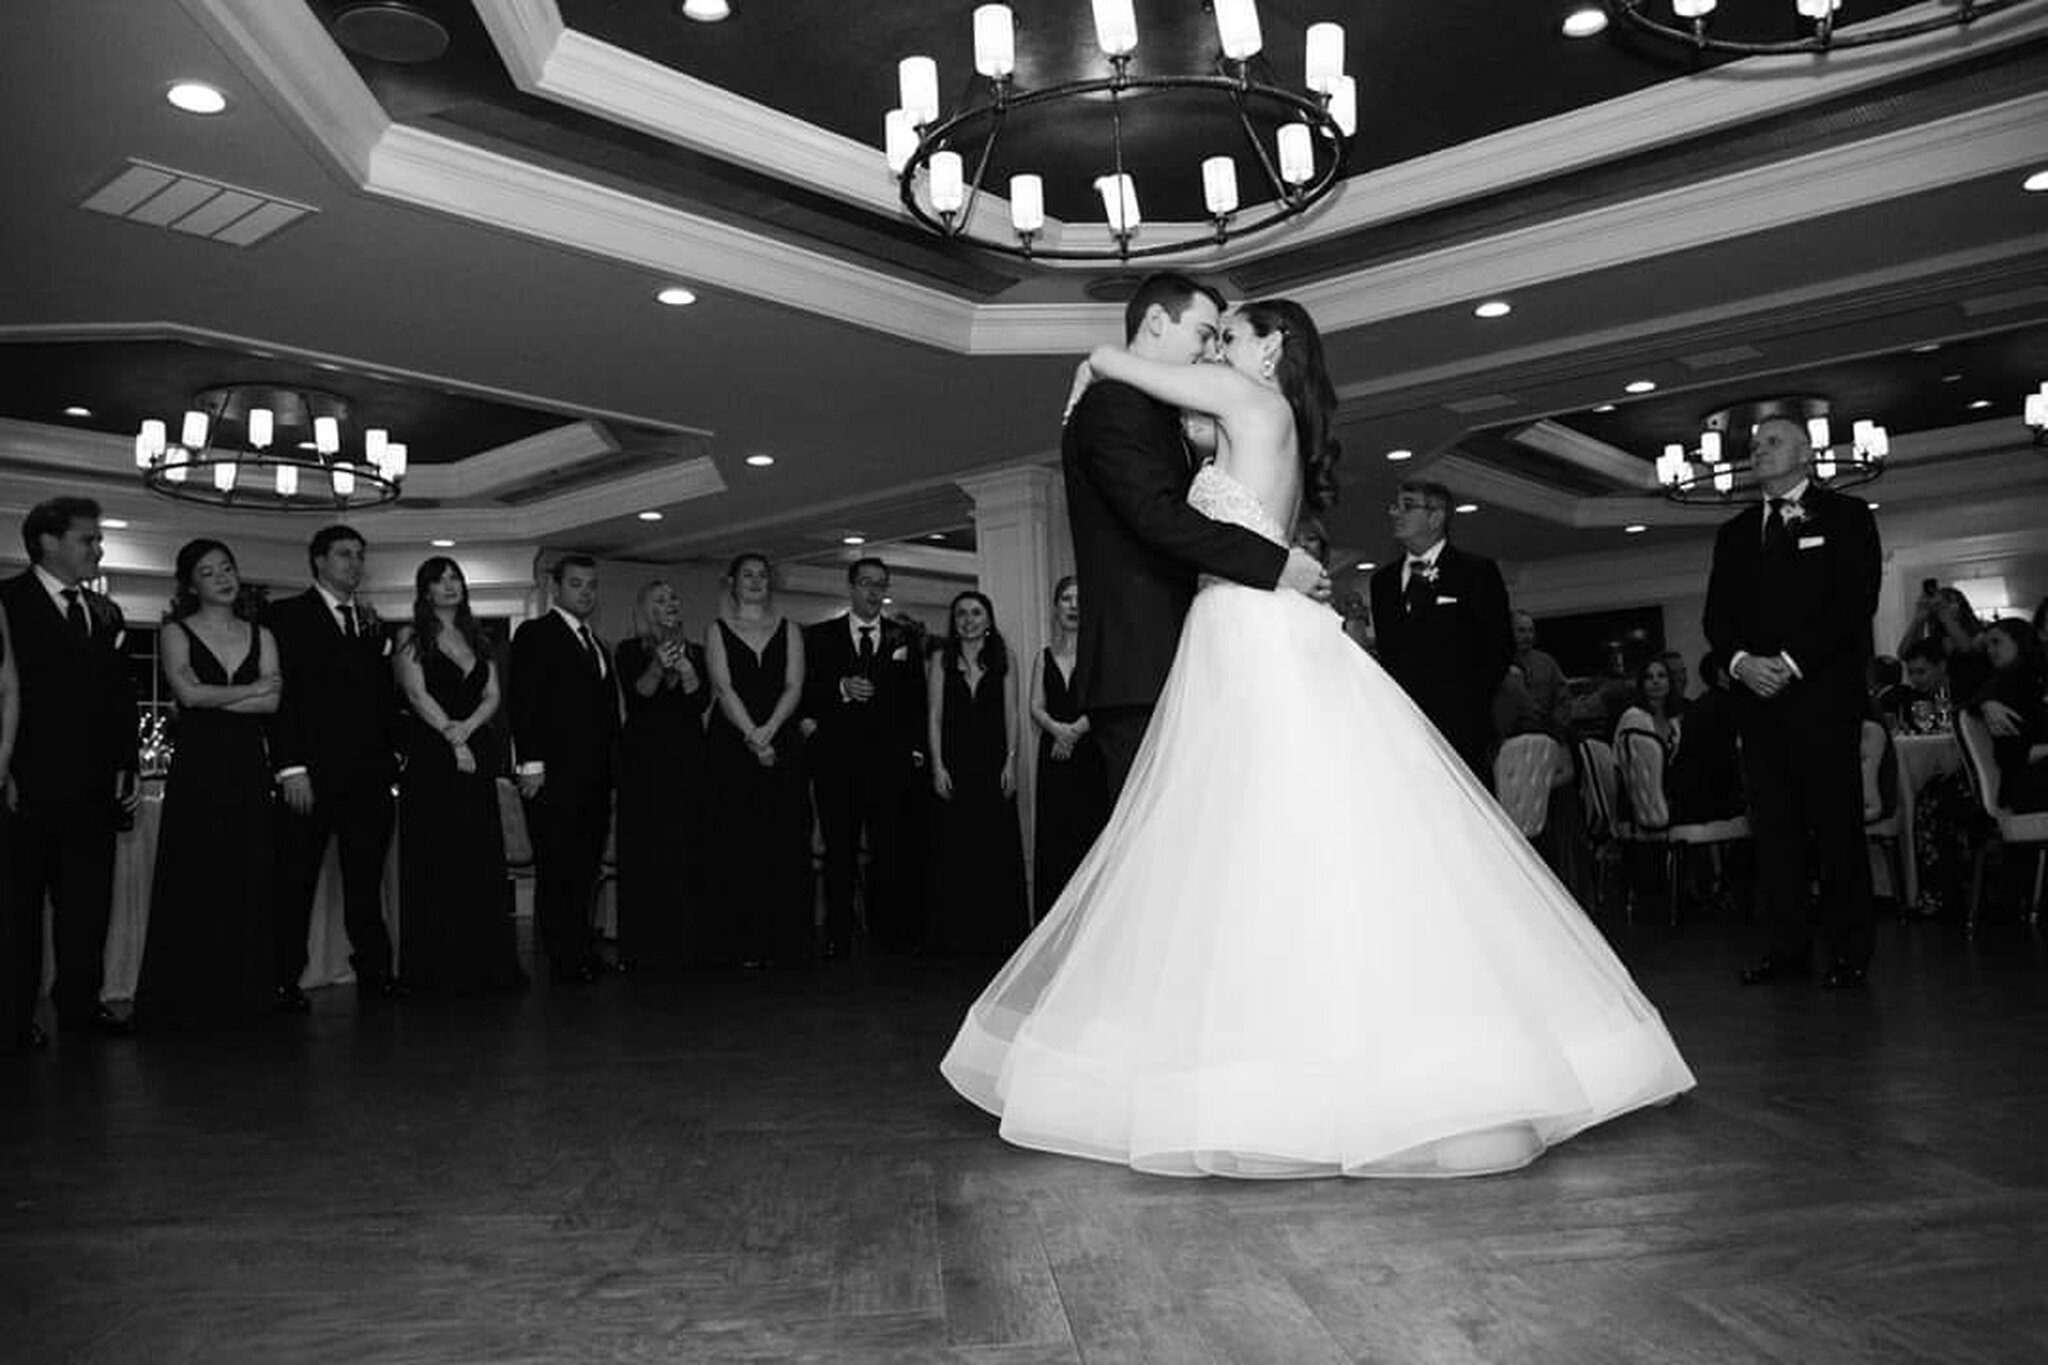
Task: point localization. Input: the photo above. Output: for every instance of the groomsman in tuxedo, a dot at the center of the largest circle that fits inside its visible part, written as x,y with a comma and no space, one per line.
565,728
861,715
1440,618
334,746
73,781
1789,601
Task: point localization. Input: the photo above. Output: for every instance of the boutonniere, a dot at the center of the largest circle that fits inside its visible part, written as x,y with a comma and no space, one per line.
1428,572
1795,513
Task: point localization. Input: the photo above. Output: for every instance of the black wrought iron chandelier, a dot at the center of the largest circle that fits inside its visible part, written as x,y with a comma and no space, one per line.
269,447
930,153
1713,472
1811,26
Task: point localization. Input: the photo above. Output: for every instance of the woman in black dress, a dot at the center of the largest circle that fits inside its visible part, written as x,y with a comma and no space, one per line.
1073,789
765,904
455,904
976,901
661,784
206,956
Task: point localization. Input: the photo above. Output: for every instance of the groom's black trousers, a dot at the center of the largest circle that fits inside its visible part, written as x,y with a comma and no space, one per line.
1117,732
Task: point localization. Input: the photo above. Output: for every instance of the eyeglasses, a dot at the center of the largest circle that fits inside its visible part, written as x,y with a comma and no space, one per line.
1401,505
881,583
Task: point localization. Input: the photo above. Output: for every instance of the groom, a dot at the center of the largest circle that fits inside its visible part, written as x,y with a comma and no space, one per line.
1138,546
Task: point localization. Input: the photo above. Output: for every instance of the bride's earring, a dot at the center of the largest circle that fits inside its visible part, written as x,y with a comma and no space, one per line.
1266,368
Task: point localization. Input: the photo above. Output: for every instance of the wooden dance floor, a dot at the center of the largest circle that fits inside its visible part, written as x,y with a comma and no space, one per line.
717,1168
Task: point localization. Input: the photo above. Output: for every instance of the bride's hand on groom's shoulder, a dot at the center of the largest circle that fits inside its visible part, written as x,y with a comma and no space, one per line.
1305,574
1084,375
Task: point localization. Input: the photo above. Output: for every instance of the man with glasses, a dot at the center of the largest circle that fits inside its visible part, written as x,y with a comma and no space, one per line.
1440,617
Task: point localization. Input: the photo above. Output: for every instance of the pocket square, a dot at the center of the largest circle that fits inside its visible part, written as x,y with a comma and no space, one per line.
1812,542
1447,601
901,654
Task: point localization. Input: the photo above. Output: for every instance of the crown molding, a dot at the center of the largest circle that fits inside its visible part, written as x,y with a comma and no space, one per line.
1581,451
487,471
1472,478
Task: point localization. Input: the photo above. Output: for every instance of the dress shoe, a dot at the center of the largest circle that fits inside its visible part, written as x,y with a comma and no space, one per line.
1771,968
113,1025
1843,976
289,1000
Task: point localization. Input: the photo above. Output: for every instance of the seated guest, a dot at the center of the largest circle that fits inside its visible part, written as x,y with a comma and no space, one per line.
976,903
1885,680
662,805
1705,777
1651,708
1945,618
207,956
1923,700
454,902
2013,710
1681,683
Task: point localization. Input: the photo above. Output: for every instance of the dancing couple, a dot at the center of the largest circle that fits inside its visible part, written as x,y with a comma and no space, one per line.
1308,942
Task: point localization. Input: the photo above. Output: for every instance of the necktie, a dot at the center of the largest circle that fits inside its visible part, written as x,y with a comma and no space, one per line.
348,620
1417,593
1777,536
590,648
867,648
74,614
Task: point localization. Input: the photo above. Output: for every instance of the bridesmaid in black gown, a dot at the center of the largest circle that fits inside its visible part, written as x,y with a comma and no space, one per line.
1072,804
206,956
661,785
454,901
10,721
976,901
765,904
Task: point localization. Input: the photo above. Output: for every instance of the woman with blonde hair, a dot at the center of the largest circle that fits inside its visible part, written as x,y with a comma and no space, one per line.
661,782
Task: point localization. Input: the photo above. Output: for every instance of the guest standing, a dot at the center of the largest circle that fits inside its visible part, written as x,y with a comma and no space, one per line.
208,957
455,904
976,900
565,725
334,745
75,764
754,754
1441,622
861,723
662,797
1789,600
1072,785
10,724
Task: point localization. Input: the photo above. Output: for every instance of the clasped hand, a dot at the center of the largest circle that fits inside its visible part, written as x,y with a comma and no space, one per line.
1765,677
858,688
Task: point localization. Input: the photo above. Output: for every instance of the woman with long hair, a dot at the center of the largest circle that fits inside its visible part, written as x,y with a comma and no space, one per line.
763,912
1071,782
974,900
2013,709
662,806
1308,942
455,903
206,956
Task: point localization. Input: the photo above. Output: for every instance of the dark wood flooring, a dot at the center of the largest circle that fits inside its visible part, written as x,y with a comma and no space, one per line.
712,1167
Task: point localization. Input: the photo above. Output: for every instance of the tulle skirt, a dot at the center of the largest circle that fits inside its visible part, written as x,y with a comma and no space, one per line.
1307,943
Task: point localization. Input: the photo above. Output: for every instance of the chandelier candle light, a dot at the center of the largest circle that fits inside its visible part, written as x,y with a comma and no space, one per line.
929,153
292,459
1814,23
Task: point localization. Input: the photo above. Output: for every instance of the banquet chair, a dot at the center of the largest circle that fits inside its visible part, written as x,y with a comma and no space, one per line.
2009,830
518,844
1600,806
1650,823
1522,779
1881,818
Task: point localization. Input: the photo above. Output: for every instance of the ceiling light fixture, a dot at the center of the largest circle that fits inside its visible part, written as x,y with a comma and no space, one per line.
2035,183
1366,564
196,97
1398,455
1634,529
1493,308
1979,404
760,461
1585,21
1814,21
113,523
1640,386
1466,508
442,544
258,476
704,11
675,296
1716,471
853,540
1605,407
649,515
1927,348
930,152
76,411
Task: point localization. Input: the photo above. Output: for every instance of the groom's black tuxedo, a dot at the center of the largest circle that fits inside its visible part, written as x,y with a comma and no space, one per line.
1448,644
77,733
1138,548
1810,596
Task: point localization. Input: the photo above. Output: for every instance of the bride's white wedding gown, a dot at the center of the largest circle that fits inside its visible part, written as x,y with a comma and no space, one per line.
1308,942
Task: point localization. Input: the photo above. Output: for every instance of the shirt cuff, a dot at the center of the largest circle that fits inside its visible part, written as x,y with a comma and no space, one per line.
1736,662
534,768
1791,663
296,770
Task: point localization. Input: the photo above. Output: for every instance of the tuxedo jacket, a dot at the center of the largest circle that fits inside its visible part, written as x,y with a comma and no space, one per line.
1138,546
563,713
78,712
1450,653
337,715
885,729
1813,602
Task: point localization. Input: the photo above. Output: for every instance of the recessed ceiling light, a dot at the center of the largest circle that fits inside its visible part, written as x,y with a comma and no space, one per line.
442,544
113,523
76,411
650,515
1584,23
675,296
1951,379
853,540
1367,564
2035,183
1977,404
1873,506
1640,386
1400,454
196,97
1493,308
1605,407
1466,507
888,601
1926,348
1634,529
760,461
705,11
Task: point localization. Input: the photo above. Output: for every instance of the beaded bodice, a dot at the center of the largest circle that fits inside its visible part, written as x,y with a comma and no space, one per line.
1219,497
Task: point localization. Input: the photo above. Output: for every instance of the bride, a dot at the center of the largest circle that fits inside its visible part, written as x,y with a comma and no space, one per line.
1308,942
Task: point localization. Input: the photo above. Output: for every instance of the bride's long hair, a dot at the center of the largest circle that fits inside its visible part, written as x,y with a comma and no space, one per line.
1306,384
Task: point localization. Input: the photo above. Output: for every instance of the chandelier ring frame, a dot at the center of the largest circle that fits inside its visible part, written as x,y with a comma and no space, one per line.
372,488
1695,34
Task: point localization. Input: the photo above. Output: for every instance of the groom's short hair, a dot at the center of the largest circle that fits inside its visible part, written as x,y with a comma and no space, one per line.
1172,291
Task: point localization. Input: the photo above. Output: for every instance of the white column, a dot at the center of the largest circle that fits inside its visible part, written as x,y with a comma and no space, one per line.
1022,547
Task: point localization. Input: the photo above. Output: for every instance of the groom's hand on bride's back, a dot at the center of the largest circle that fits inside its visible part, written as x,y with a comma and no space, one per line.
1305,575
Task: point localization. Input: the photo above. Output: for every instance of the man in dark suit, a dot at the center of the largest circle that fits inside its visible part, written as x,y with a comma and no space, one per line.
565,728
861,716
73,779
1440,617
1138,546
334,747
1789,602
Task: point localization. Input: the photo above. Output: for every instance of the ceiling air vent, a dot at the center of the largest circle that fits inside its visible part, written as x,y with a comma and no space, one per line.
192,204
1490,402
